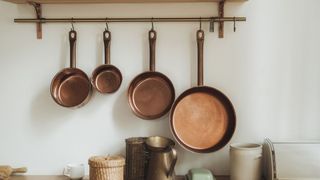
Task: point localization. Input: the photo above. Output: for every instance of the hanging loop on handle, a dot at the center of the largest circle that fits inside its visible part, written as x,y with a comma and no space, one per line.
107,43
152,46
72,41
200,42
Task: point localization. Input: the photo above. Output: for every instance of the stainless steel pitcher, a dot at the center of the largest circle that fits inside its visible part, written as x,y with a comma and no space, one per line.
162,158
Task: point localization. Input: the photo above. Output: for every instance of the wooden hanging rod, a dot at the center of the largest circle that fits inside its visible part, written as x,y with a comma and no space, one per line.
98,20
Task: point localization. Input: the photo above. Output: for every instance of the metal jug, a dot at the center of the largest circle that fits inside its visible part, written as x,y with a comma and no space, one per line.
162,158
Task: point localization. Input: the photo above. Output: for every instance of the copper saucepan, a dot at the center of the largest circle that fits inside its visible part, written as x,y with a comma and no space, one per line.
202,119
106,78
151,94
71,86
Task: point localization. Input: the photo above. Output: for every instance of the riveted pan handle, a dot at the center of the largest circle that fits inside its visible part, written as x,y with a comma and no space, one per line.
107,42
200,42
152,44
72,40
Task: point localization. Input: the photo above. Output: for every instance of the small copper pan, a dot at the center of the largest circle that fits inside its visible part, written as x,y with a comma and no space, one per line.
106,78
71,87
202,119
151,94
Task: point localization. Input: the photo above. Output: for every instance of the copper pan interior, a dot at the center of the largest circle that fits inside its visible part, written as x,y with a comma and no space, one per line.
203,119
71,88
106,78
151,95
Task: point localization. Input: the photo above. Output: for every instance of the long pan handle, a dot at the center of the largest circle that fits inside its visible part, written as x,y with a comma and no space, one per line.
152,44
107,42
72,40
200,42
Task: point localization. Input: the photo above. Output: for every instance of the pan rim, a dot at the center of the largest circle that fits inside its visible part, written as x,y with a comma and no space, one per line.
226,137
74,72
103,68
133,85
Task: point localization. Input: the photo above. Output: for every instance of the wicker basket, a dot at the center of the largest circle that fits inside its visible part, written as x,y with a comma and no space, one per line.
135,158
106,168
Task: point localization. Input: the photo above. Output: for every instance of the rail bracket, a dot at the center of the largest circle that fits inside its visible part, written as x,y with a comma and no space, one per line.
38,11
221,15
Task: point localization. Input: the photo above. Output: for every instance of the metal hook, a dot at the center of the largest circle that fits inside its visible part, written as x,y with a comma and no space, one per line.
234,24
152,24
107,26
72,27
200,23
212,25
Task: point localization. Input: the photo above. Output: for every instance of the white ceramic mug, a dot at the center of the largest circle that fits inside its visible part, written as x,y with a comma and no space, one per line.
245,161
74,171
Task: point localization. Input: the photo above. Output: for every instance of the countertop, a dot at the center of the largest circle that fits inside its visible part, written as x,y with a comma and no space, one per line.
66,178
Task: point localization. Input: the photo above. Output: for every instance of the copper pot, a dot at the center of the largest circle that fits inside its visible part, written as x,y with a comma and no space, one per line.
202,118
106,78
151,94
71,86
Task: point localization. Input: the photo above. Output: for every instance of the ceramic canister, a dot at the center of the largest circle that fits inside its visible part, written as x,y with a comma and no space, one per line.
245,161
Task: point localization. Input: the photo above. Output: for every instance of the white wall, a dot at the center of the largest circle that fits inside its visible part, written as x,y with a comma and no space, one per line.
270,68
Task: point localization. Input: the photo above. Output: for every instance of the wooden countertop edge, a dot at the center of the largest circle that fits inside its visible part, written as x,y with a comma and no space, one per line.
41,177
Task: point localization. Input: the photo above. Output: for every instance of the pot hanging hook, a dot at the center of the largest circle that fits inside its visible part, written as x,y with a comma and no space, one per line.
107,26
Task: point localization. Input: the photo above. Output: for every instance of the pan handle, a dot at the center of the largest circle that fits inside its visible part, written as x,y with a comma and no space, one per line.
173,163
200,42
152,44
72,40
107,42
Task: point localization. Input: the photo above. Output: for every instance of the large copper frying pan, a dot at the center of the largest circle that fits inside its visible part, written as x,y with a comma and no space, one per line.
151,94
106,78
71,87
202,119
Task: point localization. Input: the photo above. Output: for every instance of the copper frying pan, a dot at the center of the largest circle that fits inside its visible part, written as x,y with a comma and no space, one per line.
151,94
202,119
71,87
106,78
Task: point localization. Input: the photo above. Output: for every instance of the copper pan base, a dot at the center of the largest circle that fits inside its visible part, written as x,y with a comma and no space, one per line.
203,119
151,95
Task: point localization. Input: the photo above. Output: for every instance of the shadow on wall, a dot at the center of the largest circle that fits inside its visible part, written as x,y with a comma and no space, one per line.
124,117
46,115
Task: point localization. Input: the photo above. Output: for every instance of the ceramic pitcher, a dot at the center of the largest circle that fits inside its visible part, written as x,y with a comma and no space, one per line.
162,158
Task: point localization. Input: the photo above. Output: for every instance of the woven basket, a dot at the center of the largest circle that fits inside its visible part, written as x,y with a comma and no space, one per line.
135,158
106,168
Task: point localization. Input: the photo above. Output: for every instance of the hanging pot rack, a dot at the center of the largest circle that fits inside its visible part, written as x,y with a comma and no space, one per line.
39,20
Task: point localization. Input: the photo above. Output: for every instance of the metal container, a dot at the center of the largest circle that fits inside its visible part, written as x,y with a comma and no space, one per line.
135,158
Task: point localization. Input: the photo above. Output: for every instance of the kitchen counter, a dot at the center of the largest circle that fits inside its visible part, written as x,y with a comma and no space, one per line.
66,178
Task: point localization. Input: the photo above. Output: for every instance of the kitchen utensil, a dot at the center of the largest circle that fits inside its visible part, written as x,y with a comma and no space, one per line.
245,161
106,78
151,93
200,174
202,119
135,158
107,167
71,87
7,171
162,158
74,171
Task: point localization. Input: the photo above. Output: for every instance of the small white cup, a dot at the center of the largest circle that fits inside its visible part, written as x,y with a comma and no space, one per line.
74,171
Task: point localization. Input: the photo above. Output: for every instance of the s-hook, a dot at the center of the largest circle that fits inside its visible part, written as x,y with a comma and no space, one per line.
107,26
200,23
152,25
234,24
211,29
72,27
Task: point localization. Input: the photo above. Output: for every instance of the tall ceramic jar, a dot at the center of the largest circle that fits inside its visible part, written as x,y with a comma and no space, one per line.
245,161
